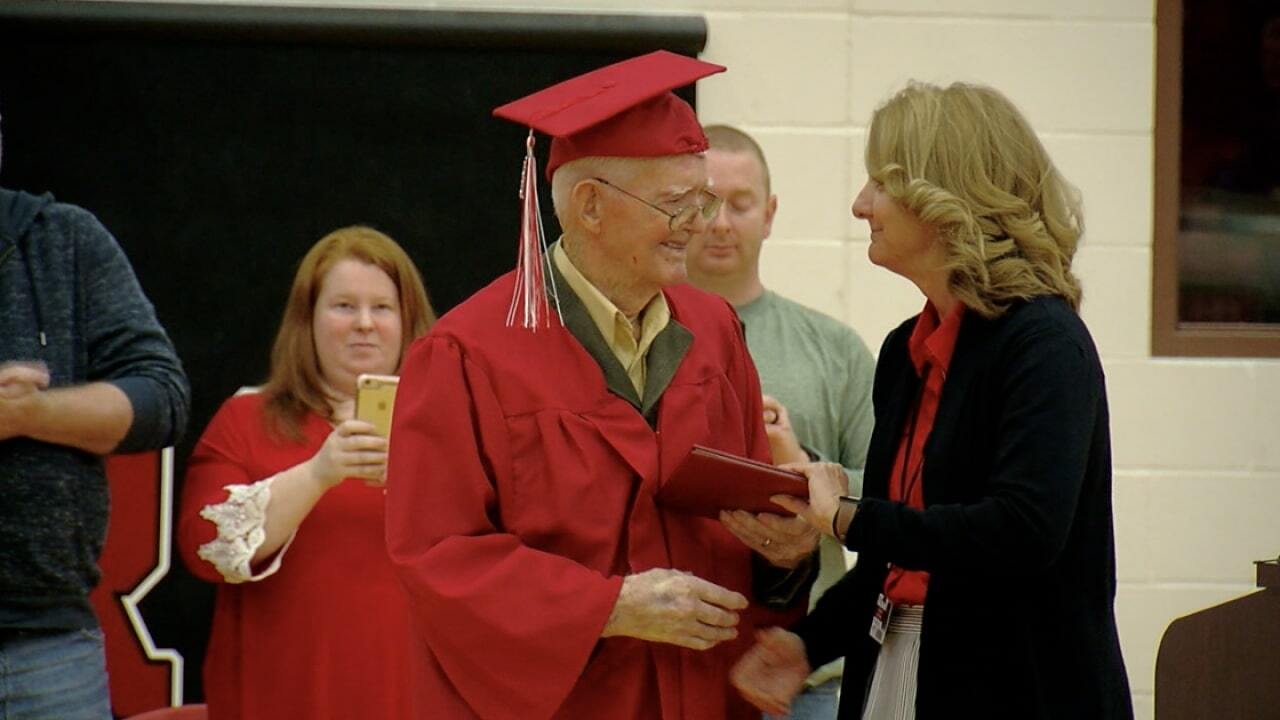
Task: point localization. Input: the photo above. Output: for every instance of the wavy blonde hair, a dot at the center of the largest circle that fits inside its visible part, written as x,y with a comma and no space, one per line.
296,386
964,160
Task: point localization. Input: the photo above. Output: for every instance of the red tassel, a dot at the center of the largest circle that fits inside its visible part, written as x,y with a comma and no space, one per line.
530,305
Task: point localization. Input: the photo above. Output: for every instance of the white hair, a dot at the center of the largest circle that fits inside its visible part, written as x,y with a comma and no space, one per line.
613,169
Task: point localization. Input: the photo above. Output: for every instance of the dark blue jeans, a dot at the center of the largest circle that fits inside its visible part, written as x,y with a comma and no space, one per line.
60,676
813,703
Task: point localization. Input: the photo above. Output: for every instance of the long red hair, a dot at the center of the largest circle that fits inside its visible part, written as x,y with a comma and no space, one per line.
295,385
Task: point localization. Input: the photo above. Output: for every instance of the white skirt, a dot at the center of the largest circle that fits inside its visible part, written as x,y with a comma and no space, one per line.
892,695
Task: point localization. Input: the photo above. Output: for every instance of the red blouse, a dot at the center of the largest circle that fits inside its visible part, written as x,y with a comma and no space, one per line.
328,636
931,344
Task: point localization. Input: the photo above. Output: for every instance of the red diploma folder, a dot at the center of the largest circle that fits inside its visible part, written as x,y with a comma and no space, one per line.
708,481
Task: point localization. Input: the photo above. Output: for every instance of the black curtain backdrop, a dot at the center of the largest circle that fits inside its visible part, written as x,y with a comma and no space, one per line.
217,143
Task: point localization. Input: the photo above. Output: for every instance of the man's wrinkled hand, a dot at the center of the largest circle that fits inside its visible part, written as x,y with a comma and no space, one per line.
670,606
784,541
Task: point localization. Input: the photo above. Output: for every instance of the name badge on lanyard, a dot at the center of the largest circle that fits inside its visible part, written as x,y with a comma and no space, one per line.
880,618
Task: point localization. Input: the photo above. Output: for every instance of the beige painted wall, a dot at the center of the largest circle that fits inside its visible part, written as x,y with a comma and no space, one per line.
1197,442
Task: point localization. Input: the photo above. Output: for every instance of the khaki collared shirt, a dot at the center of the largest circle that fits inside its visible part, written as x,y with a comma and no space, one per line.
628,343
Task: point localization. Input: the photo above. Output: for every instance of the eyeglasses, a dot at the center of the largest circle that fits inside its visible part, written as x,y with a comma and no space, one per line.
707,205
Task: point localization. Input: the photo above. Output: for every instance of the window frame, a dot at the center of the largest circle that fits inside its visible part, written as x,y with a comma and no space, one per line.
1169,337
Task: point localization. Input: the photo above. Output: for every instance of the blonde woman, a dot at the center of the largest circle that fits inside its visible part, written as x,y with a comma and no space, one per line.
985,581
283,503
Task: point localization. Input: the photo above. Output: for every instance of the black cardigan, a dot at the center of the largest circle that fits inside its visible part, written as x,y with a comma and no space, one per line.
1016,532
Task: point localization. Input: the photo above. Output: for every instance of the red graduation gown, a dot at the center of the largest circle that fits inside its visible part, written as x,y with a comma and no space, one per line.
520,493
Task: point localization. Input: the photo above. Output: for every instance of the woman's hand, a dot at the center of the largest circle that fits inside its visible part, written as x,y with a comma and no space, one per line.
351,450
772,671
827,482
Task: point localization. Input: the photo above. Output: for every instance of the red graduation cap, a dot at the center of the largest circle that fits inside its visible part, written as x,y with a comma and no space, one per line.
622,110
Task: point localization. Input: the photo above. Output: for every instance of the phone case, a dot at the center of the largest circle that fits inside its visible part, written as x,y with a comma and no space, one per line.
375,400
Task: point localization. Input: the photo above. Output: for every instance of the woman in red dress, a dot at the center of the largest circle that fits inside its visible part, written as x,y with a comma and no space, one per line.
282,505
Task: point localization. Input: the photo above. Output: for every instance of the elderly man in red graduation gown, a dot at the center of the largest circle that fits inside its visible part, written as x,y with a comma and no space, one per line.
545,580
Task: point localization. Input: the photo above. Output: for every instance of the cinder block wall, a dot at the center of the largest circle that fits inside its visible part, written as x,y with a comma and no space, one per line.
1197,442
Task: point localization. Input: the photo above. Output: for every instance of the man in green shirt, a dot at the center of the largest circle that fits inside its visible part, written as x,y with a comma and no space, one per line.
815,371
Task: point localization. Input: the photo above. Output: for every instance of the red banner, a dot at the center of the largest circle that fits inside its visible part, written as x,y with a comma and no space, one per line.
135,558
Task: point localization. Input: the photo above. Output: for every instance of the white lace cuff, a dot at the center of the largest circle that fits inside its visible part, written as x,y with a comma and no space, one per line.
241,521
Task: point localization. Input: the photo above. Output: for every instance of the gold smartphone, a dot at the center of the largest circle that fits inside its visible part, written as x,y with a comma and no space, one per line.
375,399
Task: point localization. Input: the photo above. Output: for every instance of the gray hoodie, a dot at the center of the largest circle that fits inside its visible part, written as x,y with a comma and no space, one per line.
69,299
